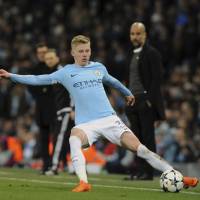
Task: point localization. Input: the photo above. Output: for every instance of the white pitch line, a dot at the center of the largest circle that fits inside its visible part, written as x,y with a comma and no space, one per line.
4,173
95,185
91,179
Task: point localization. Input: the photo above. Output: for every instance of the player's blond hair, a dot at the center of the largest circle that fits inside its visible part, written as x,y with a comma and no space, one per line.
79,39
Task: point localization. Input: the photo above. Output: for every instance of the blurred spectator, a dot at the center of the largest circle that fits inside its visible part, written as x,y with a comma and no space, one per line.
6,156
144,78
63,121
44,98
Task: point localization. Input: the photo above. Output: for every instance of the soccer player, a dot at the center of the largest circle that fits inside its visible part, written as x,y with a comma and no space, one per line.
94,115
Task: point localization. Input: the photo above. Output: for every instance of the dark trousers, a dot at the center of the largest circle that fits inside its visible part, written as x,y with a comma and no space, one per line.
44,138
61,139
142,124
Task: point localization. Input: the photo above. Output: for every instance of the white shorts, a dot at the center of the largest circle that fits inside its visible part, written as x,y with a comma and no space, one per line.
110,127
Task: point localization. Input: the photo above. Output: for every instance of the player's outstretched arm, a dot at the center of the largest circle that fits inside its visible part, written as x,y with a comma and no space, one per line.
46,79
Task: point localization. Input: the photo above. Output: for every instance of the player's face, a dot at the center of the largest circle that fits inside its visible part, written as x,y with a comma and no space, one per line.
51,59
137,36
41,51
81,54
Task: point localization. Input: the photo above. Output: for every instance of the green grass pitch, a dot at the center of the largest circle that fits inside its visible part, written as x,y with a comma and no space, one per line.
25,184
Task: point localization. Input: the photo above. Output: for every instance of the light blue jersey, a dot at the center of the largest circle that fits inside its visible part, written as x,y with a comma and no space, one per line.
85,85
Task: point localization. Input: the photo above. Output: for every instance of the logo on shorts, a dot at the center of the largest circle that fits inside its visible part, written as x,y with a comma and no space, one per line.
121,125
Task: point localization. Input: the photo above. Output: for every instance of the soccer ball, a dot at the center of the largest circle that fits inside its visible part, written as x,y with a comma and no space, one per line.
171,181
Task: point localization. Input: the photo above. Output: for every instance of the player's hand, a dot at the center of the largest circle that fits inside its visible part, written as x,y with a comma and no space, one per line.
4,74
130,100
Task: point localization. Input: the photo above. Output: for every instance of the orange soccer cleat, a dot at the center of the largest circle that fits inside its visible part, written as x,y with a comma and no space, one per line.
82,187
190,181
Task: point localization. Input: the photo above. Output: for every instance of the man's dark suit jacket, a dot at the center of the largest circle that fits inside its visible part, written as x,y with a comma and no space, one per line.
150,71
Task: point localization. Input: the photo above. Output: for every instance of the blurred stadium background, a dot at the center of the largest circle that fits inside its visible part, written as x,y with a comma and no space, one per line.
173,27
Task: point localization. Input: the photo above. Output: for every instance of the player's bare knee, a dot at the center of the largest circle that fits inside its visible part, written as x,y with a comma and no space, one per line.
75,134
133,147
80,135
130,141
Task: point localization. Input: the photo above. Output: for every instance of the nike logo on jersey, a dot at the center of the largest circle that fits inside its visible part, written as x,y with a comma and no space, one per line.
72,75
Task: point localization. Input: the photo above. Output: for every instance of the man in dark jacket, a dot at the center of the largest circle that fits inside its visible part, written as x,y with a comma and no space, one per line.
144,82
63,108
44,99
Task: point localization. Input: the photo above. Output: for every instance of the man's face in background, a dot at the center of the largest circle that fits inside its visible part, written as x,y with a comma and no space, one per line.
51,59
137,35
41,51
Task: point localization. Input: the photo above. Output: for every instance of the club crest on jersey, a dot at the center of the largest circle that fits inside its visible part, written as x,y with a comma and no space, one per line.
97,73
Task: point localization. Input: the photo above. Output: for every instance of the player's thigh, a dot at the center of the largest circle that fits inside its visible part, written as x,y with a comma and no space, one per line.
113,128
129,141
81,135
